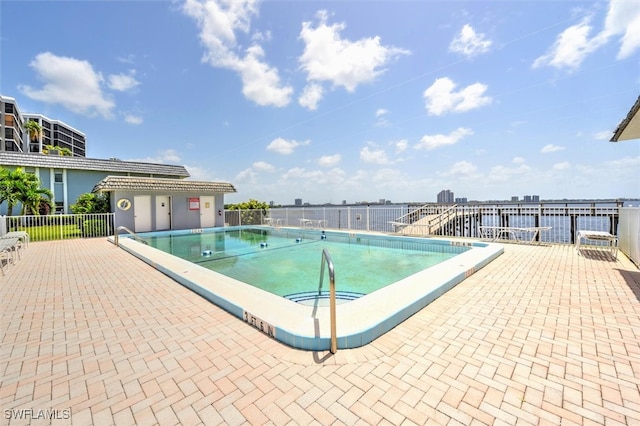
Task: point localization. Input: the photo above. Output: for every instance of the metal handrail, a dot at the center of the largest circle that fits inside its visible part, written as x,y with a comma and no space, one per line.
124,228
428,208
326,259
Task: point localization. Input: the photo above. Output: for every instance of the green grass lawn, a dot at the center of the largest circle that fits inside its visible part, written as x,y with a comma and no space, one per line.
52,232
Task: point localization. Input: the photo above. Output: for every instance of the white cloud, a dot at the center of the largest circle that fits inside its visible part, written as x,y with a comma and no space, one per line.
623,18
604,135
571,47
123,82
388,177
574,44
133,119
262,166
381,120
250,174
469,43
330,160
285,147
518,160
562,166
311,96
167,156
441,98
327,57
505,174
218,21
374,156
429,142
462,169
314,177
551,148
261,83
198,173
70,82
401,145
246,176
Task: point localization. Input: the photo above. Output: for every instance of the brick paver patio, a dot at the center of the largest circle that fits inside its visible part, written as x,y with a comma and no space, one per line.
539,336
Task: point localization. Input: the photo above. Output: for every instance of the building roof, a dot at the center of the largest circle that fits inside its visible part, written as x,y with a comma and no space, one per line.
130,183
629,127
82,163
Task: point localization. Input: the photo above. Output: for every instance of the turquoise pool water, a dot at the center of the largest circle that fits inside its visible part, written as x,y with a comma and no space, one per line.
287,262
283,258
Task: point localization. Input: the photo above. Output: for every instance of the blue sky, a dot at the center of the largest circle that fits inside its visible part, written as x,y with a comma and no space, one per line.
342,100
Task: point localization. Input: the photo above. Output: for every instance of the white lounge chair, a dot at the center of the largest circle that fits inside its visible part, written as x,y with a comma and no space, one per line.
612,240
23,236
9,248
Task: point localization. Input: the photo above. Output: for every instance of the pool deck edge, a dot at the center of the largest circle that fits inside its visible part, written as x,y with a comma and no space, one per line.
359,322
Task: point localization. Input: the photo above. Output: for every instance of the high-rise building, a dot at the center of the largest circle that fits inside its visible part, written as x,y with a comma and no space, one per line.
298,202
445,197
56,133
11,125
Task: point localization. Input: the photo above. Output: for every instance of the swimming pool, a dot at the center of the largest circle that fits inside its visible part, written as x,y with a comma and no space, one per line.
302,326
286,262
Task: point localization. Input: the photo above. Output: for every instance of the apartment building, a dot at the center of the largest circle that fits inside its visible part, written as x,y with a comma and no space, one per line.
13,137
445,197
11,125
56,133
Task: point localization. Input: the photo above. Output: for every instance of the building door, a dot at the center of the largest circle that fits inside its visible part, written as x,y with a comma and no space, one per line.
142,213
207,212
163,212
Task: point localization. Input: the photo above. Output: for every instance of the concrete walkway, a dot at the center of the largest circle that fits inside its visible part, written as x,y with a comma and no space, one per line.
91,335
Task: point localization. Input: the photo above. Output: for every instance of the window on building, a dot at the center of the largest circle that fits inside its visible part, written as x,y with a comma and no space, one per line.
58,177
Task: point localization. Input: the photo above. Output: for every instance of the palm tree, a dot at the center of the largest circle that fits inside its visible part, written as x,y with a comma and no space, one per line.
17,186
9,184
34,130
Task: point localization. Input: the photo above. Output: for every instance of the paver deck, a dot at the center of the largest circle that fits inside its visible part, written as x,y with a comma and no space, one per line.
91,335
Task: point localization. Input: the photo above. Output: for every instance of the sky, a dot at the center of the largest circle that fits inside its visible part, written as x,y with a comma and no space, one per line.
332,101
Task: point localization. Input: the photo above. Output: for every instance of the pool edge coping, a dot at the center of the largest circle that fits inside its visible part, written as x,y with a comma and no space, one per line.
359,322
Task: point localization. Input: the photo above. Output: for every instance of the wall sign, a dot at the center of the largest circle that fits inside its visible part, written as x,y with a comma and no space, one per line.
123,204
194,203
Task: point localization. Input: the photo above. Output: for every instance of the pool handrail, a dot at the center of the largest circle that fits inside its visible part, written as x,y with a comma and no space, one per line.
124,228
326,259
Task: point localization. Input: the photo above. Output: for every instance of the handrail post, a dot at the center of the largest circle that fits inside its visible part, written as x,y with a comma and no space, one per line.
332,297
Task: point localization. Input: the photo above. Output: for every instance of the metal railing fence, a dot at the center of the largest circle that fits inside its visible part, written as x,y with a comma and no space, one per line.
564,220
60,227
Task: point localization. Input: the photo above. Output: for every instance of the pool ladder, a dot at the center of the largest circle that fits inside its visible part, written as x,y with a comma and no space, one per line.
326,260
124,228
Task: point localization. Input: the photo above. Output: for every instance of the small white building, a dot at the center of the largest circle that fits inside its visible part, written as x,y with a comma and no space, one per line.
145,204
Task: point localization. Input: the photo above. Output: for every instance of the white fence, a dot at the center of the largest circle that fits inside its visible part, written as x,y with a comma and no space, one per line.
629,233
60,227
563,220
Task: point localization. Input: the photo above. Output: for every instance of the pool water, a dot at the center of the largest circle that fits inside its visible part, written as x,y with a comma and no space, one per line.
287,262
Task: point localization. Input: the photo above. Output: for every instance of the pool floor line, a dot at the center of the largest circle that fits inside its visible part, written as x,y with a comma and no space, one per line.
260,250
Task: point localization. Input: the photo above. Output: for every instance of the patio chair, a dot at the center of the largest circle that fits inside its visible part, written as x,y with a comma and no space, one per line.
23,236
9,248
